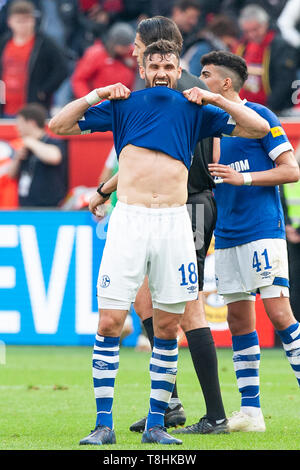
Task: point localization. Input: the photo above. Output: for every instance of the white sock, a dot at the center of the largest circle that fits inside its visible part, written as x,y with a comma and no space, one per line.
252,411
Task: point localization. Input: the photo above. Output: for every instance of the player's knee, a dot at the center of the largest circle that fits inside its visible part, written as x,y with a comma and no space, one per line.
109,325
166,333
281,318
238,325
279,311
167,329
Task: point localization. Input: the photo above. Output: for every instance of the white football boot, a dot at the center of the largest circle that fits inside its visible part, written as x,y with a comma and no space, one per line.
240,421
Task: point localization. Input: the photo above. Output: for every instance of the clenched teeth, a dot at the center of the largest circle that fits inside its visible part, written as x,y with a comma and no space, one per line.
161,83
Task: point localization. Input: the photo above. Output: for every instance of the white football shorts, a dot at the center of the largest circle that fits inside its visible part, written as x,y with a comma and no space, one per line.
260,266
147,241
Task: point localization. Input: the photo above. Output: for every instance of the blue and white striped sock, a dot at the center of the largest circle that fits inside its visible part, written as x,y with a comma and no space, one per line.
163,370
105,368
290,338
246,359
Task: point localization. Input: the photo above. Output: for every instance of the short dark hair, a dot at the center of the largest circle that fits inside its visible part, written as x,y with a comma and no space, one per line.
230,61
34,112
163,48
21,7
159,27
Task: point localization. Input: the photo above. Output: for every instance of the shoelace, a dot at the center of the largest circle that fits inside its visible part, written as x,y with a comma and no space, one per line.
159,428
99,427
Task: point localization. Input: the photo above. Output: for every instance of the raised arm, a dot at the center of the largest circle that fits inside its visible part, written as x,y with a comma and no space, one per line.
249,124
65,122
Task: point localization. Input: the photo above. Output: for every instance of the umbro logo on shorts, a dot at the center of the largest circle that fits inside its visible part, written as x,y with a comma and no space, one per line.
105,281
266,274
192,289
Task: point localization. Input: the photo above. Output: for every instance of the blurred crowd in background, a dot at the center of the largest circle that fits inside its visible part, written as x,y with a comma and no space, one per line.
55,50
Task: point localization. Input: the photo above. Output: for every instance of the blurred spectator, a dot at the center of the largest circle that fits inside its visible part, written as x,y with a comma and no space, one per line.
65,23
186,14
8,185
101,14
4,7
164,8
111,11
32,66
290,198
94,7
271,61
159,8
136,10
208,8
220,34
104,64
289,25
40,164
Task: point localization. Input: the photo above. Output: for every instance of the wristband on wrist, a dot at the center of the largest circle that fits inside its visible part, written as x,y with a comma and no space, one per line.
99,191
92,97
247,178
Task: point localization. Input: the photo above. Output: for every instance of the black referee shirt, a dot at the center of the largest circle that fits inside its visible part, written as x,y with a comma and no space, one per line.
199,178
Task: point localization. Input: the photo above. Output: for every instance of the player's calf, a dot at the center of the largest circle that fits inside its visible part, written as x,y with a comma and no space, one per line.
163,370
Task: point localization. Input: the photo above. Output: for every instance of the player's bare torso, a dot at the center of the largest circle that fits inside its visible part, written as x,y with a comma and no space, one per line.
150,178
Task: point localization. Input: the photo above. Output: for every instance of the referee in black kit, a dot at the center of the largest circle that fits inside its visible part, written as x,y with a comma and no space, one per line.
194,324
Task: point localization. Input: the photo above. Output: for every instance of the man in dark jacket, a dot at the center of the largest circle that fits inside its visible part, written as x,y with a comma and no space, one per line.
32,66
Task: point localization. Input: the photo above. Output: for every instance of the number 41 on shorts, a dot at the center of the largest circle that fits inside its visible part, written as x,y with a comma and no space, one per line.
256,264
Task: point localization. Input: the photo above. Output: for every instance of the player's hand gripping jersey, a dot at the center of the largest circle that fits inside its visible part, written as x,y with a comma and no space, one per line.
248,213
159,119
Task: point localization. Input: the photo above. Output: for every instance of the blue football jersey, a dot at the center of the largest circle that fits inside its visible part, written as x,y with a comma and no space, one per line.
158,119
248,213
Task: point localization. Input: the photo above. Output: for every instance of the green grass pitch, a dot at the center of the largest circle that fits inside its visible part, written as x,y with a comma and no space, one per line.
47,402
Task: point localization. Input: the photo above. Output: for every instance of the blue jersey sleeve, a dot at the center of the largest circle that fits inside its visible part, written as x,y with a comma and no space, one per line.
97,118
276,141
215,122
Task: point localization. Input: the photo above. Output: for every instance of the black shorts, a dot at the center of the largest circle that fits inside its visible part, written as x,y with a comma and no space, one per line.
205,198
